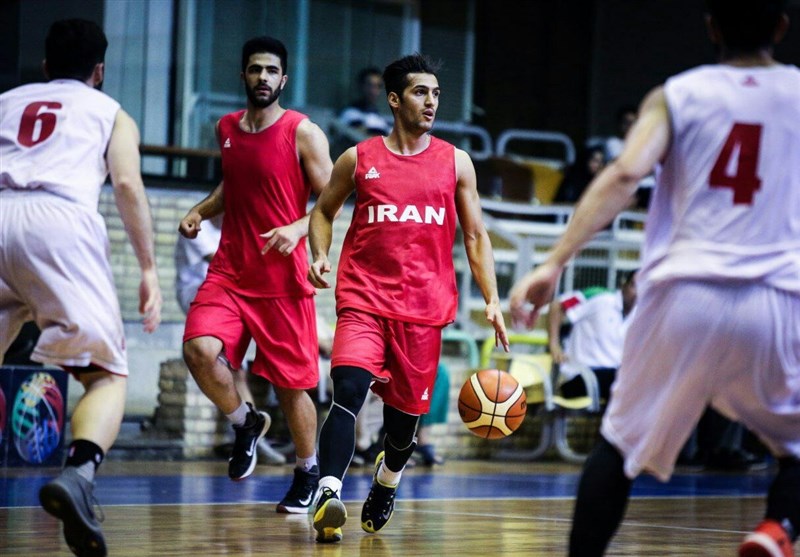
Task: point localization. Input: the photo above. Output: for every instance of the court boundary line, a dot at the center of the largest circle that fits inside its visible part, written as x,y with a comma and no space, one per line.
401,500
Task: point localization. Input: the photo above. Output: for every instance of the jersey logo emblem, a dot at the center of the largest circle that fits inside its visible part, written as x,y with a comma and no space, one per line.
372,174
227,143
425,394
750,81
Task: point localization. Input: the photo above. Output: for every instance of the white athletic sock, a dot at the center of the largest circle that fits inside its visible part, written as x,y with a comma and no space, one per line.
331,482
387,477
306,464
238,416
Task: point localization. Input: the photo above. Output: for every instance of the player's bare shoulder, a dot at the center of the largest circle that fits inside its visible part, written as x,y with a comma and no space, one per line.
349,157
124,123
312,144
655,99
464,166
310,135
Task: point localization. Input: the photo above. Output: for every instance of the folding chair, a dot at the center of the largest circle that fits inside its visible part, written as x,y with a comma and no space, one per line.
565,409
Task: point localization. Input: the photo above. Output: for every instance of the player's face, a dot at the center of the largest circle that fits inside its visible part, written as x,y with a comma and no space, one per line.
417,107
263,79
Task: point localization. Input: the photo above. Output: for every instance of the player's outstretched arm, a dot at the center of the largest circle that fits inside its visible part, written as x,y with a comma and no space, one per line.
123,165
315,158
478,245
320,228
607,195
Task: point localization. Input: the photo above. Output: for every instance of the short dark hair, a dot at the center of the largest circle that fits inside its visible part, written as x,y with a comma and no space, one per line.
746,25
395,76
264,44
366,72
73,47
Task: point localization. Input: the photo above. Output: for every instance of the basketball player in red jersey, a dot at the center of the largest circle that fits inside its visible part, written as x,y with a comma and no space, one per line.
272,159
396,286
58,142
718,317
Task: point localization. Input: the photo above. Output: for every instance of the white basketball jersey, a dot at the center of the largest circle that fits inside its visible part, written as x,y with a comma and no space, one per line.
54,136
727,202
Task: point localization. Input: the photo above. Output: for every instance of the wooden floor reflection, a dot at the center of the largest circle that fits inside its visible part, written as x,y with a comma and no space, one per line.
664,525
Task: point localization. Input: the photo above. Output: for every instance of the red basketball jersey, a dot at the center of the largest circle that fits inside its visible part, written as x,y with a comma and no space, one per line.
397,257
264,187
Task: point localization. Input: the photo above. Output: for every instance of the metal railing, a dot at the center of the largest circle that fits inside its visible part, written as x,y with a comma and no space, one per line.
523,234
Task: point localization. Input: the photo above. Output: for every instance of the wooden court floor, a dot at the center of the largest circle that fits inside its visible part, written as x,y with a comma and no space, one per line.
462,508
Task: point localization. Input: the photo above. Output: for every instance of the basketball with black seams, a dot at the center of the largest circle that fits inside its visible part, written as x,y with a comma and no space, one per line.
492,404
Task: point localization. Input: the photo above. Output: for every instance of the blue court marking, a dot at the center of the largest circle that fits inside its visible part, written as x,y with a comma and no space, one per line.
189,490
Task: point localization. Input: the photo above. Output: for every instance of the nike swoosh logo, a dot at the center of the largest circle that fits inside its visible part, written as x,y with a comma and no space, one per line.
249,452
307,500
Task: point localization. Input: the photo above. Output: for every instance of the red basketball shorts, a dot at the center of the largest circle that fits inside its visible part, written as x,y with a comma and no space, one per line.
284,330
402,356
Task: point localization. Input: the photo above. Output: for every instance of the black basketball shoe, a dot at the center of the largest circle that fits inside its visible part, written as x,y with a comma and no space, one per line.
301,493
70,498
379,506
329,517
244,455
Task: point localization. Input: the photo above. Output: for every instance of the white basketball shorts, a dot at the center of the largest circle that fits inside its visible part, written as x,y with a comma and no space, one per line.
735,346
54,269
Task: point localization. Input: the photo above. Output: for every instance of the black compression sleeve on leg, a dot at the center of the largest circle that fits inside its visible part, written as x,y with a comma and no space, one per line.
400,441
783,500
603,494
337,439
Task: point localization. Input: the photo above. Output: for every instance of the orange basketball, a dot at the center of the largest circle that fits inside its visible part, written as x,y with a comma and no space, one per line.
492,404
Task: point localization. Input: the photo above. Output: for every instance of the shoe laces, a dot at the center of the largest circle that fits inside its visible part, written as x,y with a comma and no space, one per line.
326,494
94,504
97,509
386,494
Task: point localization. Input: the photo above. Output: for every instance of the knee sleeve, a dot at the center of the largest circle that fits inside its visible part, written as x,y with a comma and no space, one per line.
337,438
400,439
399,426
350,387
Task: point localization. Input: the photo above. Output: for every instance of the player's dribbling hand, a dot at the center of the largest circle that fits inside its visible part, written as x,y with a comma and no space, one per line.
494,315
150,300
318,268
190,225
536,288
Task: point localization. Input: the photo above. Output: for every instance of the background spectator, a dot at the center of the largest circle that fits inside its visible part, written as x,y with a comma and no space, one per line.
598,319
589,164
362,114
